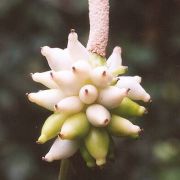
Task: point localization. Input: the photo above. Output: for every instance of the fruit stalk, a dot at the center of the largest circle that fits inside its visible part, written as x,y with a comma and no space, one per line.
99,26
63,173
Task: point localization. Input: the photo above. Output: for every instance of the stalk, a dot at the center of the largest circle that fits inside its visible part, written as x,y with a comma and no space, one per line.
64,167
99,26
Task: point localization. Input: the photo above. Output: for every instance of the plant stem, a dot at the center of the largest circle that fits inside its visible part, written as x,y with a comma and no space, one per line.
64,166
99,26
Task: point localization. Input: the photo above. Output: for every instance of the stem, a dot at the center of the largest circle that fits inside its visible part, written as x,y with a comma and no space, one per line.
99,26
63,173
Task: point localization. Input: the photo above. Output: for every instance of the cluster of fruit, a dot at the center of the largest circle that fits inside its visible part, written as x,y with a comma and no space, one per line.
89,100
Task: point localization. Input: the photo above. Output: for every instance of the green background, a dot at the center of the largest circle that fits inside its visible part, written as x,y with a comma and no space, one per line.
149,34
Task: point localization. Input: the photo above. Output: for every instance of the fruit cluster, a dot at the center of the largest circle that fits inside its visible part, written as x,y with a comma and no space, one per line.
89,100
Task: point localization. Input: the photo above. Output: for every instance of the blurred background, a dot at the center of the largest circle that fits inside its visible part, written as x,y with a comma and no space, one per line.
149,34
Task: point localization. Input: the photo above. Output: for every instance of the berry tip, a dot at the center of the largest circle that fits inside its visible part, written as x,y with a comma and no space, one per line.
72,31
104,73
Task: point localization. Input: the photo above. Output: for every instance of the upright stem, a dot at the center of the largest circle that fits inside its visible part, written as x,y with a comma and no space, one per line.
63,173
99,26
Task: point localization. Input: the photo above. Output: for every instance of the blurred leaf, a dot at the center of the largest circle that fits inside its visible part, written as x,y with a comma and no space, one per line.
141,55
172,173
165,151
6,6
